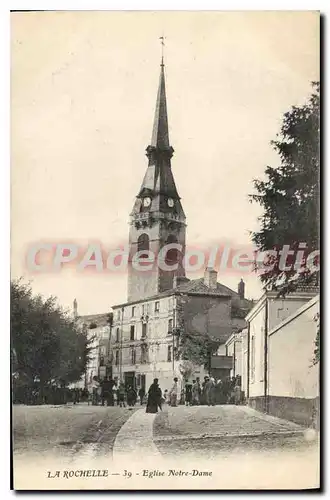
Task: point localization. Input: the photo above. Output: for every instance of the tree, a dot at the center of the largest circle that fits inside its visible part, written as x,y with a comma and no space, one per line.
289,196
316,358
47,343
192,346
197,348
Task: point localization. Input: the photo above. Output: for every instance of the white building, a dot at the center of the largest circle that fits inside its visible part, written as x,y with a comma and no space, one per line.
276,355
98,328
146,334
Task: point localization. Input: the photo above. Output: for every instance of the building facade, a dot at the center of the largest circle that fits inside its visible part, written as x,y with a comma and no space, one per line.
98,327
275,356
146,333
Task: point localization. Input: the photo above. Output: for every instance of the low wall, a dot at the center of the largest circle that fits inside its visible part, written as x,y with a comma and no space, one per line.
302,411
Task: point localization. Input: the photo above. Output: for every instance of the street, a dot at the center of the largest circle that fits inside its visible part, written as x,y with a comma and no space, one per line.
129,441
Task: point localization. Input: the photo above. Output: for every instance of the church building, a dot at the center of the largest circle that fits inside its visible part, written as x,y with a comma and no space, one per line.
161,301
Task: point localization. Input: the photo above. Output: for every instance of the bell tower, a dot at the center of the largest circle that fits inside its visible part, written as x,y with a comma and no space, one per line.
157,221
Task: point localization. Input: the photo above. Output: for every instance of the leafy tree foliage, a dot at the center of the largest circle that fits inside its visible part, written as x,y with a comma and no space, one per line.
47,345
197,348
289,195
193,347
316,358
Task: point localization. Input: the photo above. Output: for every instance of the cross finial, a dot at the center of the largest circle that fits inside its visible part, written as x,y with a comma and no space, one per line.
162,41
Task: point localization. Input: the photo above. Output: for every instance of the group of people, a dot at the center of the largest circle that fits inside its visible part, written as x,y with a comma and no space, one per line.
201,393
210,392
156,398
111,393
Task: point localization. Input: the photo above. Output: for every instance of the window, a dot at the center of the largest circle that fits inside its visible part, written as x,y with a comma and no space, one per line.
117,358
117,334
132,331
145,309
157,306
101,361
144,330
133,357
118,314
133,311
170,326
170,304
169,353
144,354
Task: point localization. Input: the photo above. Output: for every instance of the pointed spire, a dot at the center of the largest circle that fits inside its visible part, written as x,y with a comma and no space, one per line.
160,137
158,183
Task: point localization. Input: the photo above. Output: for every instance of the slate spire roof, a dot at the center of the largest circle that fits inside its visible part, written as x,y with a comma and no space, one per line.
160,137
158,182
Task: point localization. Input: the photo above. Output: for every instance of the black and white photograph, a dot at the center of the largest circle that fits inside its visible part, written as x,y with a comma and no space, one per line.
165,250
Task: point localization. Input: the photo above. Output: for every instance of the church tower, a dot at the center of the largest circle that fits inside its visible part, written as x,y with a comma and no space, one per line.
157,219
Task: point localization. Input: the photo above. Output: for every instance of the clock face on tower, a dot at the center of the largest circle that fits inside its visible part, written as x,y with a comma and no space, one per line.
170,202
146,201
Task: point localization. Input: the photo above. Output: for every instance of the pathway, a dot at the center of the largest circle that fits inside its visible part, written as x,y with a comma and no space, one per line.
135,438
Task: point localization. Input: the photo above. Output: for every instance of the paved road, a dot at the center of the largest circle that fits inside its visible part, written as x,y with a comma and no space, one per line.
66,430
231,439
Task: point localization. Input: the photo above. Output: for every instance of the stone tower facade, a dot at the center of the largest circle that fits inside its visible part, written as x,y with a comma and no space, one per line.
157,221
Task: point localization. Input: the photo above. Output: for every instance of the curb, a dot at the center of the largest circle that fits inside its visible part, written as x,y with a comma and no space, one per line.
189,437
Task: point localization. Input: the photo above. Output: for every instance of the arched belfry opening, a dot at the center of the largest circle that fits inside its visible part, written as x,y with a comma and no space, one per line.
143,244
173,254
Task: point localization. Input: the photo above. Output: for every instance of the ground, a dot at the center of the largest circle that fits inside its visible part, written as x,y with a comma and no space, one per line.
51,438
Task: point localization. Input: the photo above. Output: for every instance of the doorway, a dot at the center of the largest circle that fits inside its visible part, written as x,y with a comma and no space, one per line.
129,378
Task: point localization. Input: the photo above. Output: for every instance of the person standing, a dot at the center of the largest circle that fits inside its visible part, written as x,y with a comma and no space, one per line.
218,392
154,397
213,391
208,391
121,395
131,396
95,391
174,393
195,393
105,391
115,393
142,393
198,382
203,391
110,398
188,394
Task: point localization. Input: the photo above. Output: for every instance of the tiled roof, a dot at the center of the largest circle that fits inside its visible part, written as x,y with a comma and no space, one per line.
197,286
240,307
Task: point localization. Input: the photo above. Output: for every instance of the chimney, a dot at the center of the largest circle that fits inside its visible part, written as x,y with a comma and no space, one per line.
241,289
75,309
210,278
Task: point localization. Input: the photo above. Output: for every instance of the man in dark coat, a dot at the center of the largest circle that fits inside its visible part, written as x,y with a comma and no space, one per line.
188,394
131,396
154,397
105,391
142,393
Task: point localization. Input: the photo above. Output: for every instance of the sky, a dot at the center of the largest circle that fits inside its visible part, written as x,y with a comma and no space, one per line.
83,93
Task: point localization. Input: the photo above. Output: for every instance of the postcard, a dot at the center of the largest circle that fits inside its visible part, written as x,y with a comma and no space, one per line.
165,250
